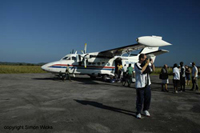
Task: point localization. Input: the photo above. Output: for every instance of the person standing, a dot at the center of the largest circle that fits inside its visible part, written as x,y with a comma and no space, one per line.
124,70
187,75
165,80
176,78
130,74
182,77
119,70
143,82
194,77
67,75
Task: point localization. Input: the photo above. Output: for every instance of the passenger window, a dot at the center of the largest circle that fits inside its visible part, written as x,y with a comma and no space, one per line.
103,63
98,63
93,64
89,63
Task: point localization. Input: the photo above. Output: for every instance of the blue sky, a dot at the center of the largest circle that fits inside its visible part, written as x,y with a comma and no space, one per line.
35,31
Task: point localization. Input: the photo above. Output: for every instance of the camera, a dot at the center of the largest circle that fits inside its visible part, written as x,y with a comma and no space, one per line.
147,70
145,61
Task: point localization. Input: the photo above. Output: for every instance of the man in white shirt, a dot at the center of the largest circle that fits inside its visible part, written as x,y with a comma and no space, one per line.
194,77
142,71
124,70
176,77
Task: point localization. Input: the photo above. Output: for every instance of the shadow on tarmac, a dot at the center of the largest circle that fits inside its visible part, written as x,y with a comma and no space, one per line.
45,79
78,79
85,80
100,105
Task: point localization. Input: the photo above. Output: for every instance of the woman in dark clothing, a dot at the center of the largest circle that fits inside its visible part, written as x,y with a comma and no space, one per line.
165,80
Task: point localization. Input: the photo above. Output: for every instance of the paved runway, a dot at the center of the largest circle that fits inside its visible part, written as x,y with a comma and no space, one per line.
39,103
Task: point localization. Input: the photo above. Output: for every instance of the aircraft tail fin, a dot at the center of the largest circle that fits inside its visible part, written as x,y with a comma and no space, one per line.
148,50
152,52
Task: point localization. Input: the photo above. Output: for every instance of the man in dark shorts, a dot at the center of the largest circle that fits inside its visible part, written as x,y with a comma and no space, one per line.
176,77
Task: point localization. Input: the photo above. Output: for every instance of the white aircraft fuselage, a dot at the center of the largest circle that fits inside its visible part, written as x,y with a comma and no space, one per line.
95,66
105,62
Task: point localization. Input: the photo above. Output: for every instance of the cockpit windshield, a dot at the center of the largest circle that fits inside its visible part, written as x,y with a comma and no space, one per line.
67,58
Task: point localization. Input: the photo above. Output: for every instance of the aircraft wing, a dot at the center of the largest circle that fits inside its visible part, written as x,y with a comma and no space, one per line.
158,52
119,51
142,42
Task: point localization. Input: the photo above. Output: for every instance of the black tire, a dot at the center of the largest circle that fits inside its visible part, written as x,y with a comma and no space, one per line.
104,77
92,77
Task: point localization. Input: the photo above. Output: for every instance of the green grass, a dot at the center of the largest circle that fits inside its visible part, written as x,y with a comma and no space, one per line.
158,71
7,69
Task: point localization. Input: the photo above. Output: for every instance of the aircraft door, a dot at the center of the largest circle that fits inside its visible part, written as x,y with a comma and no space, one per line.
118,61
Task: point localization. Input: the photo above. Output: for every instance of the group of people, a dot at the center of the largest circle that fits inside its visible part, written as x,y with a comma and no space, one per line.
181,77
125,73
143,68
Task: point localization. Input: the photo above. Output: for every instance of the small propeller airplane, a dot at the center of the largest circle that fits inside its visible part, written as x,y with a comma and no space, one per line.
104,64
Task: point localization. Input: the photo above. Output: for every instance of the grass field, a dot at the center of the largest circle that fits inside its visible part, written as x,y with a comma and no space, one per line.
37,69
7,69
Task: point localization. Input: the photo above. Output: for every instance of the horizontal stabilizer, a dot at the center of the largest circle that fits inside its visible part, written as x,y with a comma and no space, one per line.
158,52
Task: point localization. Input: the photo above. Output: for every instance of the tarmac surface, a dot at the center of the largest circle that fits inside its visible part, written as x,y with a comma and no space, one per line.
39,103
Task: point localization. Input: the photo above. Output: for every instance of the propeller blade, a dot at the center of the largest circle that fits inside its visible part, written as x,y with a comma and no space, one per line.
77,58
85,63
82,52
85,48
